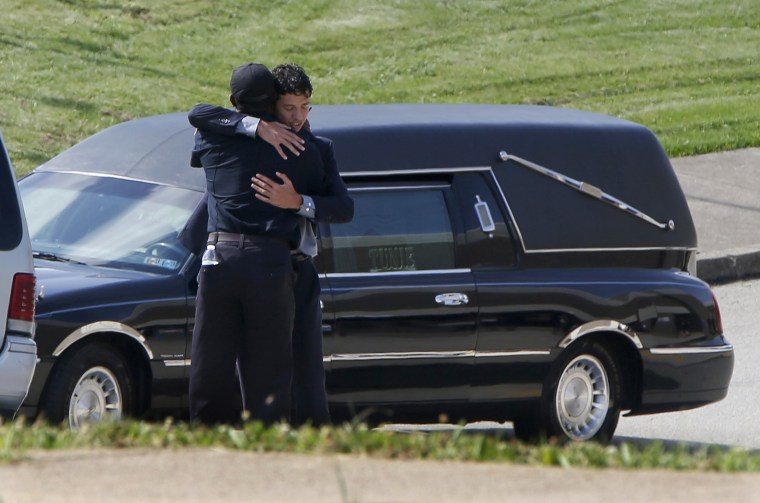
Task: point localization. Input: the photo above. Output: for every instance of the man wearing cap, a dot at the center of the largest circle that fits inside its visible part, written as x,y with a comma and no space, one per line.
331,204
245,301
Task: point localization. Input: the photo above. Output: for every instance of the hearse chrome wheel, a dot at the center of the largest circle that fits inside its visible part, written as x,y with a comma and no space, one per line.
90,383
96,397
582,399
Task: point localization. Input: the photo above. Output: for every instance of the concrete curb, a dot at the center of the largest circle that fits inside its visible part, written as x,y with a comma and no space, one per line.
721,189
729,266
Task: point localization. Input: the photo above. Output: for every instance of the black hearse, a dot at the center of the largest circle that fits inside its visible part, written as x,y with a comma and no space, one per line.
511,263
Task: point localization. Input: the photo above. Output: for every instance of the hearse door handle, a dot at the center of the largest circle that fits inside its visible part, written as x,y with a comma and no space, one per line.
452,299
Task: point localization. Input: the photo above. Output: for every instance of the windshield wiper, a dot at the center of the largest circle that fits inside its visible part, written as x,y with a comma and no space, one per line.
55,258
588,189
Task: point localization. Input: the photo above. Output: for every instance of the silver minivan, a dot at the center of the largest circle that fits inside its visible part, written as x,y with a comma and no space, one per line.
18,351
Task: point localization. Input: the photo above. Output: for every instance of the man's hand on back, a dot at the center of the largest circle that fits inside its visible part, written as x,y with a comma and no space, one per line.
281,195
278,135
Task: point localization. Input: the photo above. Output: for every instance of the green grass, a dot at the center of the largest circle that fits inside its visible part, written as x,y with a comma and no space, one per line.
18,438
688,69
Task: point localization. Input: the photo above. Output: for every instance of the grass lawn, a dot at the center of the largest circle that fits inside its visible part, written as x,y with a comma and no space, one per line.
688,69
18,438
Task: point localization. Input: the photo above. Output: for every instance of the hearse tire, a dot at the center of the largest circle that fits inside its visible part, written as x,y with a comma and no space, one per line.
90,385
529,428
583,399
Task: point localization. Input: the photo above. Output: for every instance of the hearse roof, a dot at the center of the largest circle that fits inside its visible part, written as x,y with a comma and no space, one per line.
619,157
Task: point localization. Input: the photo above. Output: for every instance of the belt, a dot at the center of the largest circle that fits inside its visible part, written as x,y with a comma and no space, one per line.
232,237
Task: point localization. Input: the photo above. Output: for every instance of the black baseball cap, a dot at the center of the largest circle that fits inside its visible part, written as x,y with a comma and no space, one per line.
252,84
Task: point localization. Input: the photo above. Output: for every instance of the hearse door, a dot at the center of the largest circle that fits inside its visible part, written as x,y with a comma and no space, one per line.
402,305
511,353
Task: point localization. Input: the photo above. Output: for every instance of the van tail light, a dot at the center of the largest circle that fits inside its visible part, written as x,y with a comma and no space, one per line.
21,308
718,321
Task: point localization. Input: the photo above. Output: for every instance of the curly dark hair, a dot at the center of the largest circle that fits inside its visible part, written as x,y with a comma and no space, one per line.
291,79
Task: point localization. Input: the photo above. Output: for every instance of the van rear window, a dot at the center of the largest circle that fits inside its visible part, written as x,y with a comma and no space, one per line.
10,215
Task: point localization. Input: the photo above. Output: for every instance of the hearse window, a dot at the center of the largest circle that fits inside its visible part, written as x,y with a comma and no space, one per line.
489,241
394,230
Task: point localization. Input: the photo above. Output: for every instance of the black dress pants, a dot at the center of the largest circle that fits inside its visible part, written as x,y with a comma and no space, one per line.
309,395
244,313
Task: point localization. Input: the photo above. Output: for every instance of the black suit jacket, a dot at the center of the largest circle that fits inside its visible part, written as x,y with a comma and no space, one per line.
329,193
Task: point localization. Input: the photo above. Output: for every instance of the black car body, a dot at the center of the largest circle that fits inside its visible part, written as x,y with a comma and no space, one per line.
518,263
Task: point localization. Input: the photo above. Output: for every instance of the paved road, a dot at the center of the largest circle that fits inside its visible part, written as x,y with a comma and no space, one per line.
205,476
734,420
721,189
